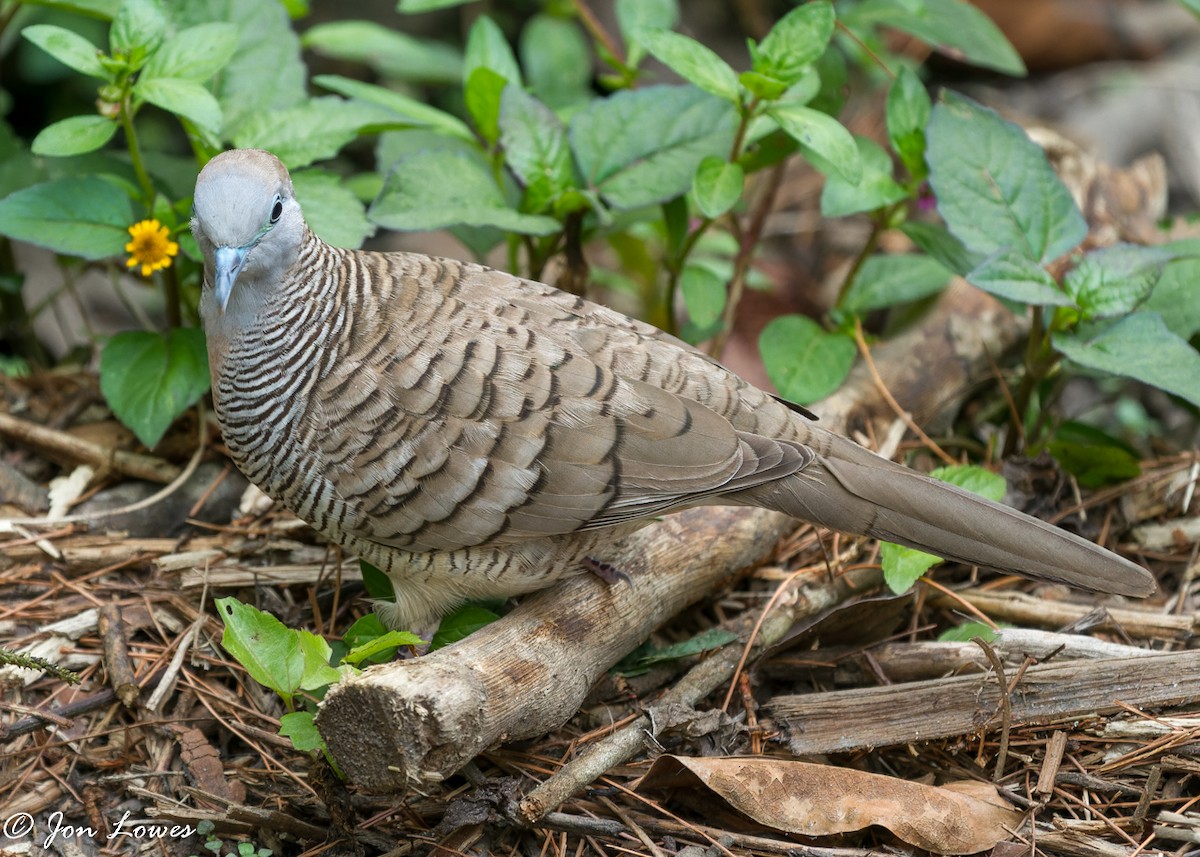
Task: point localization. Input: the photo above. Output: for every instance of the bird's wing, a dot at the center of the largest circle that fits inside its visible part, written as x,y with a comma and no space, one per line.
504,420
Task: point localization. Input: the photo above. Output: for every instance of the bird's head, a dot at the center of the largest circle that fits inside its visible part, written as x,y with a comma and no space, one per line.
248,225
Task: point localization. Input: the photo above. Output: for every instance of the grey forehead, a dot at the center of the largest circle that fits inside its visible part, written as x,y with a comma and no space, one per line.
231,205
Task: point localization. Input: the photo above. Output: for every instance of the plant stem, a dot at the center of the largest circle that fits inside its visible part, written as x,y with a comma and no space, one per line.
135,155
171,293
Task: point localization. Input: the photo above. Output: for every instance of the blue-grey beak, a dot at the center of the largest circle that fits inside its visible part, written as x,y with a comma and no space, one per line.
228,262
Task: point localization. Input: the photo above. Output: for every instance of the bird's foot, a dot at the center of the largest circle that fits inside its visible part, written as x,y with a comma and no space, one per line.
606,571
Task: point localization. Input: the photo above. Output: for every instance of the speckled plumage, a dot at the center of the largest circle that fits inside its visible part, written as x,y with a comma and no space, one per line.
476,435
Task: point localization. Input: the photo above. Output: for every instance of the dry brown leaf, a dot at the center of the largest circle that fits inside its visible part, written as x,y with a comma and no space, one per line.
822,800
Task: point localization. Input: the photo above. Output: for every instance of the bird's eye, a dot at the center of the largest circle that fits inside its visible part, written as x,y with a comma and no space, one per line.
277,210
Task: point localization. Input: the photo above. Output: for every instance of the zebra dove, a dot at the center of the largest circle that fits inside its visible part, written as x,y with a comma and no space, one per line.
476,435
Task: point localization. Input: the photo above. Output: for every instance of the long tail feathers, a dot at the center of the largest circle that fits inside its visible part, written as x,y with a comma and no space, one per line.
854,491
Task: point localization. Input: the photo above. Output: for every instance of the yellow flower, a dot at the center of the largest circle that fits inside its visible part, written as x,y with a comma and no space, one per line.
151,247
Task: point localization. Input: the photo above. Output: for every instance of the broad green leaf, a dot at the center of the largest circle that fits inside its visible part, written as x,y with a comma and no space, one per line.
312,131
149,379
885,281
717,186
874,189
331,209
803,360
437,189
904,566
557,61
18,168
317,671
635,17
936,240
967,632
693,62
482,95
822,135
406,109
795,42
103,10
641,147
70,49
973,478
1010,275
74,136
487,48
908,112
195,53
535,149
1142,347
378,585
1114,281
86,217
1094,458
1177,297
994,186
394,54
268,649
184,98
954,27
461,623
703,294
265,73
762,85
300,728
139,26
705,641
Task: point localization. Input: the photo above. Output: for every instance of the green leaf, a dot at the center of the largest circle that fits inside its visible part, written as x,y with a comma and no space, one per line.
149,380
317,671
436,189
556,60
74,136
377,584
694,63
1114,281
822,135
86,217
954,27
487,48
973,478
994,186
406,109
386,644
937,241
647,656
1094,458
482,95
312,131
195,53
904,566
908,112
138,28
394,54
641,147
967,632
803,360
885,281
300,728
703,295
635,17
184,98
70,49
717,186
1008,274
795,42
535,149
331,209
414,7
1142,347
268,649
100,9
463,622
1177,297
762,85
874,189
265,73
